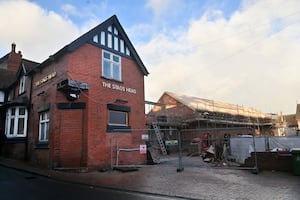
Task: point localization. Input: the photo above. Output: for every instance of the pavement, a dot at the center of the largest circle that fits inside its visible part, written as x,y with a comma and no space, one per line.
198,180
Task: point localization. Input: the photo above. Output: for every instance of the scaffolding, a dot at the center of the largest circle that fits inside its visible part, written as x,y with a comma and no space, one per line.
216,115
201,116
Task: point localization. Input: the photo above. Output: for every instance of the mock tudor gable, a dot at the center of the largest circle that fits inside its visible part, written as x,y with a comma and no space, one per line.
108,35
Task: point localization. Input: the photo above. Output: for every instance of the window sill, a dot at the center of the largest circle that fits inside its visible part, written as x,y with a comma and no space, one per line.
20,94
42,145
13,140
111,128
110,79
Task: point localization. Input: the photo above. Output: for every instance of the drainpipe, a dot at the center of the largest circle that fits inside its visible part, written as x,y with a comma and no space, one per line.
29,116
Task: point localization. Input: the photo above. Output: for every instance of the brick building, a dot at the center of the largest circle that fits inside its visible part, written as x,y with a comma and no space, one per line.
85,103
15,85
209,120
181,110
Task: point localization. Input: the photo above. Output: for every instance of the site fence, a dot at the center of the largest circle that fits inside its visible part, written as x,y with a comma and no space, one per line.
221,147
216,147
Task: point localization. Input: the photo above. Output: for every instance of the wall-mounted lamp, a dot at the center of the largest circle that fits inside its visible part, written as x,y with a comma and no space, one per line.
72,88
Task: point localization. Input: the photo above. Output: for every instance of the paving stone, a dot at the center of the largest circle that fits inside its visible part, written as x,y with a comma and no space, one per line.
198,180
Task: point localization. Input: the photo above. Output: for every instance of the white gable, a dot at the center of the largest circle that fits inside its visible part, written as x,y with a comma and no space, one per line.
111,39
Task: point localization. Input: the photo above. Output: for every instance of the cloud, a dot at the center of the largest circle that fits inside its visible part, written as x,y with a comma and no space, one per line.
249,58
36,32
70,9
86,14
168,12
158,6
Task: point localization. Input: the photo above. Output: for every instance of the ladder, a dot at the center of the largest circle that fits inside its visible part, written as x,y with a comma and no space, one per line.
159,139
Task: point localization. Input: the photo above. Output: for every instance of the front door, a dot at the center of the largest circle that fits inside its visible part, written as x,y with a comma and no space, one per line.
71,130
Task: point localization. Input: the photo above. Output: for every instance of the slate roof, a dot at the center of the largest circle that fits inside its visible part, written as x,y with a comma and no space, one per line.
199,104
4,58
29,64
88,37
7,78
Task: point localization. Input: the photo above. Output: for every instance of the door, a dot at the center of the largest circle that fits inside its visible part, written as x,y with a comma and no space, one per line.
71,130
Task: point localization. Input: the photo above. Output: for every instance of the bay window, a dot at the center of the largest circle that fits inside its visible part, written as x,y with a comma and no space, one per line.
16,122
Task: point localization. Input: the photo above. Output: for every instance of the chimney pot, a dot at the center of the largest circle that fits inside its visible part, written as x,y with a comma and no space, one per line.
13,47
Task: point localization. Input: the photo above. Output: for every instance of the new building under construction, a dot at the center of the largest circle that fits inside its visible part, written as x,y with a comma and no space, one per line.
203,120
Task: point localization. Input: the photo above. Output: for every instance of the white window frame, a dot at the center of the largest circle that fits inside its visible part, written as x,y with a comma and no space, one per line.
116,43
122,47
112,64
44,126
103,38
109,40
12,122
127,52
96,39
22,84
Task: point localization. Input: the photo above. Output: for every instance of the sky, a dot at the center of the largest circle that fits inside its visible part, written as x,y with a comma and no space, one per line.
243,52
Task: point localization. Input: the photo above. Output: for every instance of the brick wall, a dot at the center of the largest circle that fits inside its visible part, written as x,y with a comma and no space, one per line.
278,161
95,147
14,150
44,96
15,147
85,65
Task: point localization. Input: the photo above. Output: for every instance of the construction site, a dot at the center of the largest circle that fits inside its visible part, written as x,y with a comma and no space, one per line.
218,132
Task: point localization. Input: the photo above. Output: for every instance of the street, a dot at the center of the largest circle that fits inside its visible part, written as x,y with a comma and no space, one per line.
15,184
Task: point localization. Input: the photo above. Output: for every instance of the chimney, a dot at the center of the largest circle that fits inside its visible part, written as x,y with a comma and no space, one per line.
14,59
13,48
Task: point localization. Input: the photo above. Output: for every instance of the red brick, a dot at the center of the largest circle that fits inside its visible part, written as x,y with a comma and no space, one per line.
90,146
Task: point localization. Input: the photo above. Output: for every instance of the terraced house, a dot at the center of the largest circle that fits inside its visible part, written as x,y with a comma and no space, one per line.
80,106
